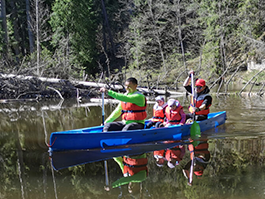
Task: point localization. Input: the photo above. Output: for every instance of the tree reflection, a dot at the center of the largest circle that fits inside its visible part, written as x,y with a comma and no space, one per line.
236,167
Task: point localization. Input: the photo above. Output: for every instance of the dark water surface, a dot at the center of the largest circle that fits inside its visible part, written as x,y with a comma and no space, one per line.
236,169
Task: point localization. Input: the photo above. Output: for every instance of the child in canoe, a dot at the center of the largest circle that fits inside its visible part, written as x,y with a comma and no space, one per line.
158,113
174,113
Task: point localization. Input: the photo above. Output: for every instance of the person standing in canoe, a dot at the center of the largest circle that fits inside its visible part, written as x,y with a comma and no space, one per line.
132,108
158,113
202,98
174,113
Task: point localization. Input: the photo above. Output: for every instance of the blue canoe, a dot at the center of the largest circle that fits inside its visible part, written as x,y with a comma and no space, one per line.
94,138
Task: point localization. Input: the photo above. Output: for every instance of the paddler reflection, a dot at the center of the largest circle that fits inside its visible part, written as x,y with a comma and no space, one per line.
171,156
134,169
200,157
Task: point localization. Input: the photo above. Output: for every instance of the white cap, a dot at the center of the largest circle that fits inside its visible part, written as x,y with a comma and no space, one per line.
172,102
159,98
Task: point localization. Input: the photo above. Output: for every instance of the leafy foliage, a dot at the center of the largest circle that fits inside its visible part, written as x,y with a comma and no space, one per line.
155,36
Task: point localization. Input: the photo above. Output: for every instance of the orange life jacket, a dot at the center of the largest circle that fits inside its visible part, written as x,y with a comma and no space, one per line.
133,166
131,111
173,153
173,117
159,154
202,148
198,103
158,114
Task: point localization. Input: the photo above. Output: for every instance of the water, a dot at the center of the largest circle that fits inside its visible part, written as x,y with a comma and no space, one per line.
236,169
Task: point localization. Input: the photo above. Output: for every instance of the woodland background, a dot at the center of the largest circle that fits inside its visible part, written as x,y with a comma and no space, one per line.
157,41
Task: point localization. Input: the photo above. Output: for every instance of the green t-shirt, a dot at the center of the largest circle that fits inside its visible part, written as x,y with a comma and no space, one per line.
135,98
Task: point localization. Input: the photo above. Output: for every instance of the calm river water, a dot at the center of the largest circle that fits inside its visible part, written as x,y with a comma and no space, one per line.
236,169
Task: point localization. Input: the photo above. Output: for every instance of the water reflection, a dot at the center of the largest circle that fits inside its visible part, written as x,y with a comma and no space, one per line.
171,156
134,170
199,159
235,170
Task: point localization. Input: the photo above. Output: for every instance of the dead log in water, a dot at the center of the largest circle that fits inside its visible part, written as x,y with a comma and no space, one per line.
17,87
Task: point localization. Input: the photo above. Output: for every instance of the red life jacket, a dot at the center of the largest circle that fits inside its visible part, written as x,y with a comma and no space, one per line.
173,117
173,153
133,166
158,114
131,111
198,103
202,148
159,154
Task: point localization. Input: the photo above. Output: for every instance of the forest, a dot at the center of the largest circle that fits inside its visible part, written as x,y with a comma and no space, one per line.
157,41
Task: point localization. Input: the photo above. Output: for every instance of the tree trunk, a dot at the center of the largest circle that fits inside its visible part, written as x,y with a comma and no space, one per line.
4,25
17,38
37,36
180,35
30,33
106,23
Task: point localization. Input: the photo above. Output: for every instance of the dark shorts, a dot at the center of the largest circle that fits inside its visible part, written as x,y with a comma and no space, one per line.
151,123
197,117
120,126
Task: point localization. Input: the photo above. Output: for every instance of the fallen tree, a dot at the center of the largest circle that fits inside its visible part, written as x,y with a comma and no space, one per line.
17,87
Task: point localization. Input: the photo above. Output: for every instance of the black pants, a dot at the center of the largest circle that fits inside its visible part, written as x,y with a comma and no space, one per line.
197,117
120,126
151,123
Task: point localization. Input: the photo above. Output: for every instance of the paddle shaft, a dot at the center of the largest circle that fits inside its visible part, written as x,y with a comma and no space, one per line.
194,123
192,93
105,162
192,163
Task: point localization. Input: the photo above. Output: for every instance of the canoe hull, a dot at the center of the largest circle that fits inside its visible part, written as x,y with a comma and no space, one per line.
93,137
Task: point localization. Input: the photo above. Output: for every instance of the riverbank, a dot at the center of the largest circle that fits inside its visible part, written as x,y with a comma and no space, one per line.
30,88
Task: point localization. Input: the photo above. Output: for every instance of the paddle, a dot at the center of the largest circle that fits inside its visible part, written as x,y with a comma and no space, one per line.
195,132
105,162
195,127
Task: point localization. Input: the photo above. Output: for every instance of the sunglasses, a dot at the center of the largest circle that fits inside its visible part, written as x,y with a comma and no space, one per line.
199,87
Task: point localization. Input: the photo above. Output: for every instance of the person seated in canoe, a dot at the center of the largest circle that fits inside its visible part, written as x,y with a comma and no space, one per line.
173,156
202,98
132,108
134,169
174,113
201,159
158,113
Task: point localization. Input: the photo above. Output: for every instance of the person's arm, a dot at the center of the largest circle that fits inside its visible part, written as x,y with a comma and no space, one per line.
137,99
183,117
115,114
206,103
187,81
138,177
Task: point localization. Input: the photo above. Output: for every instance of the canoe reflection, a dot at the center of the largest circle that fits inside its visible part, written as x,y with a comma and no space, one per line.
65,159
133,161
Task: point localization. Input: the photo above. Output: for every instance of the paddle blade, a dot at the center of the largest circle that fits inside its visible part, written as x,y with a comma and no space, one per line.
195,133
195,129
